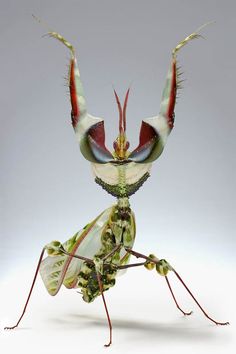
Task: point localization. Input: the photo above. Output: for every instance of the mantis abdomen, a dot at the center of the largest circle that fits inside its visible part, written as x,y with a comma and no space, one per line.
104,241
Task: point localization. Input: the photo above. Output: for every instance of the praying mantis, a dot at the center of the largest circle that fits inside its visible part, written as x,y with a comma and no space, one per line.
95,255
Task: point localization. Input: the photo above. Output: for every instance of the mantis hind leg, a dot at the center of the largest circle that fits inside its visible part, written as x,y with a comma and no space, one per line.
30,292
193,297
99,283
150,266
162,268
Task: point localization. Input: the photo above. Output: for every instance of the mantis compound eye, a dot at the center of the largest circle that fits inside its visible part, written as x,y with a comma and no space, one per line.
115,145
127,145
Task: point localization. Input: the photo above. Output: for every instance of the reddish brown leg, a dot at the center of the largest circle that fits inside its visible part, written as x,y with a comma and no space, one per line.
204,312
105,305
88,260
178,307
31,289
99,284
167,280
140,255
112,252
129,265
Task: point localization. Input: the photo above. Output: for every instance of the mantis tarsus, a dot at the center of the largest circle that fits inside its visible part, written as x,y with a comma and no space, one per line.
91,259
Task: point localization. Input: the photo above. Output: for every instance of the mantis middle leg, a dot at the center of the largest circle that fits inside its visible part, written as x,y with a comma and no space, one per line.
163,267
167,280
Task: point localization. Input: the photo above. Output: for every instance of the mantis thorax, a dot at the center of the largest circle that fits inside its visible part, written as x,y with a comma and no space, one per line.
123,202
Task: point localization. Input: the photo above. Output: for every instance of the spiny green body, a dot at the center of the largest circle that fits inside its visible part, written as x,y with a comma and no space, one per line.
116,226
118,231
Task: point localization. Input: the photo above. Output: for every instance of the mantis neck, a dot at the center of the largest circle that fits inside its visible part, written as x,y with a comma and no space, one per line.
123,202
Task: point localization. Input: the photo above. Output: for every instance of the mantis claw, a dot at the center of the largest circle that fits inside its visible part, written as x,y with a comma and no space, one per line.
107,345
9,328
222,323
187,313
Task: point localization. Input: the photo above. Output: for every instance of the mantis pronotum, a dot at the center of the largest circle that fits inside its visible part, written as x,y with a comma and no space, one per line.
92,258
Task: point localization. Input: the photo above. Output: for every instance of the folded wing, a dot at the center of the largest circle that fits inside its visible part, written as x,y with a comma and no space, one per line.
62,269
